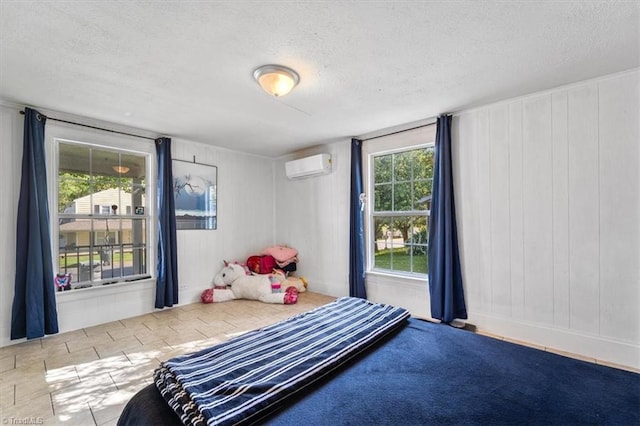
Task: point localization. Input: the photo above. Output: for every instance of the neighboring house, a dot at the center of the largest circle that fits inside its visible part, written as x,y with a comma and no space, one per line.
112,230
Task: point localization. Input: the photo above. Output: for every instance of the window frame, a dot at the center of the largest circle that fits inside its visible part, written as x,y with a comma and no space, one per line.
416,138
60,133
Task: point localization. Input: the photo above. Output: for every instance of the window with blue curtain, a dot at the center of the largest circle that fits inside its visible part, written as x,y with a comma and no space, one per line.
399,168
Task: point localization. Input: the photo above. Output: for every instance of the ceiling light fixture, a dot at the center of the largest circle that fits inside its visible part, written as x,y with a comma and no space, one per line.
276,80
120,169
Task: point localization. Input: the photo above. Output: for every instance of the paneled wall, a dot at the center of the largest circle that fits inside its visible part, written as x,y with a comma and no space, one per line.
547,192
10,166
312,215
548,198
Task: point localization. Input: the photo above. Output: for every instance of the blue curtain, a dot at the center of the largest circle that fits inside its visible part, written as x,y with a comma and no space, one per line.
34,303
445,276
356,237
167,268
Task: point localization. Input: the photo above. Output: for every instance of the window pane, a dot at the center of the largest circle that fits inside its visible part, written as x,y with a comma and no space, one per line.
125,202
109,175
74,158
125,185
417,244
383,241
105,238
422,195
73,193
402,166
382,168
419,259
137,199
134,165
105,162
132,183
136,244
74,171
383,198
423,163
75,249
400,227
402,196
395,233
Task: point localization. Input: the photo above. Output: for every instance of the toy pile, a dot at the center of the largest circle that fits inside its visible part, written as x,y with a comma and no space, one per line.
264,277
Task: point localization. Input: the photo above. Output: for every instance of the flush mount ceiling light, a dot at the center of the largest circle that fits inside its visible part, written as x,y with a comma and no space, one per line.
120,169
276,80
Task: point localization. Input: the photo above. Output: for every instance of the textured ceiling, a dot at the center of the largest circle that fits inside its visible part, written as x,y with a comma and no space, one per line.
184,68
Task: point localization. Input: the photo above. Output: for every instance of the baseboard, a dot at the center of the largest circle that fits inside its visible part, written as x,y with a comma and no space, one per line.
190,294
591,348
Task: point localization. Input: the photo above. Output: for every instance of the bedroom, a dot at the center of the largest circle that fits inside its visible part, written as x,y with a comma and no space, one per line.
564,273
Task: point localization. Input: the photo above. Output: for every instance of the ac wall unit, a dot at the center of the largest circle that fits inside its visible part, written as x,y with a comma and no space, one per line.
309,166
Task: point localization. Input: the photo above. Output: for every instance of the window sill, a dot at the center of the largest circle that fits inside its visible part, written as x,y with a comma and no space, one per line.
104,290
405,278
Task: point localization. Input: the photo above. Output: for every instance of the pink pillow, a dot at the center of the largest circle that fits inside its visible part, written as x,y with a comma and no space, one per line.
281,253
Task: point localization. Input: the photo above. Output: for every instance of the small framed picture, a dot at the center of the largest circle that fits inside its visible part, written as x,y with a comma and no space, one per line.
139,210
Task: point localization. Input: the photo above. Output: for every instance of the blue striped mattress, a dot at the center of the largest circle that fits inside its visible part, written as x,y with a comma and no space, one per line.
237,381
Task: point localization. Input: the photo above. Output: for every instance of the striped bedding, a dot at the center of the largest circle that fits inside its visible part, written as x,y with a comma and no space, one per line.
238,380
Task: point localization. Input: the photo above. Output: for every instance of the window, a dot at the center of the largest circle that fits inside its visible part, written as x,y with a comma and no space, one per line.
400,176
100,241
98,209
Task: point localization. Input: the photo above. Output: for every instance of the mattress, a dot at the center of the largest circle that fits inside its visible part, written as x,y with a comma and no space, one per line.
238,380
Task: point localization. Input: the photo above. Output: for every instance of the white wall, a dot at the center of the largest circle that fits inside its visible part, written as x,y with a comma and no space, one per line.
547,192
245,225
548,199
313,216
10,167
245,215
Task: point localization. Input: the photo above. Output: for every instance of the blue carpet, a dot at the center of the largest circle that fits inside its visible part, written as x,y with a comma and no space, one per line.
430,374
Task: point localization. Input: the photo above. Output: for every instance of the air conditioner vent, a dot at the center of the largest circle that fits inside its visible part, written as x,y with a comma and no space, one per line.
309,166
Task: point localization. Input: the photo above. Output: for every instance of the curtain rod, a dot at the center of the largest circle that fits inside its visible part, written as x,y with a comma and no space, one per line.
93,127
400,131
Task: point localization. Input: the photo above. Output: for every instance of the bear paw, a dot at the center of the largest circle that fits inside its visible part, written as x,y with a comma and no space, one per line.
207,296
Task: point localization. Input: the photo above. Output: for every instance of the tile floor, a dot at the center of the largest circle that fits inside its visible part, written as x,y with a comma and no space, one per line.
85,377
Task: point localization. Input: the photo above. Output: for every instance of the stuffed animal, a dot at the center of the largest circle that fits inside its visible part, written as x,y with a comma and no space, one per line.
287,281
232,282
